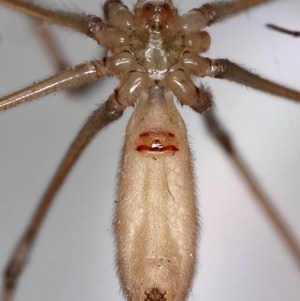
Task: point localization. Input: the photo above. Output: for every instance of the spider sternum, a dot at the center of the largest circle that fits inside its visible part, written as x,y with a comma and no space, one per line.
156,50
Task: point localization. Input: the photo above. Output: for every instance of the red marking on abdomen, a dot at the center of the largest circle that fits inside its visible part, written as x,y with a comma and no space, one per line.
157,141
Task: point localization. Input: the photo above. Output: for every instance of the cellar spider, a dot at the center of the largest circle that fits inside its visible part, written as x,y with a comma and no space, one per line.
228,272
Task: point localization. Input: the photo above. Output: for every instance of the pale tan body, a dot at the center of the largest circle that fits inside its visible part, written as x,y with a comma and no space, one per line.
155,54
156,214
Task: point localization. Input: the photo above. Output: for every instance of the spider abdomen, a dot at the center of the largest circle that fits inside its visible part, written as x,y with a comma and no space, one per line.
156,215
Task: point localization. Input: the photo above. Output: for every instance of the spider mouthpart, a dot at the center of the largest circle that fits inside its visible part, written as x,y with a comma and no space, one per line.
156,14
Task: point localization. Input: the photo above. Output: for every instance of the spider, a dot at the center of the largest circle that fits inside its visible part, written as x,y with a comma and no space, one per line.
195,135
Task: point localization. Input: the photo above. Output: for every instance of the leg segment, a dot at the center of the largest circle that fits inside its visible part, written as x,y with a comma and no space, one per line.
223,139
103,116
70,78
52,47
88,24
56,53
187,93
283,30
125,95
225,69
119,15
71,20
212,13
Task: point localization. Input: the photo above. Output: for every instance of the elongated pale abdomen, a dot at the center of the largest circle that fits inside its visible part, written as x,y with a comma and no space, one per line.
156,215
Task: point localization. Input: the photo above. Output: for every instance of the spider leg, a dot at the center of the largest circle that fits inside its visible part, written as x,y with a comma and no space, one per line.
74,21
283,30
101,117
214,12
54,51
90,25
223,139
225,69
70,78
118,15
125,95
200,100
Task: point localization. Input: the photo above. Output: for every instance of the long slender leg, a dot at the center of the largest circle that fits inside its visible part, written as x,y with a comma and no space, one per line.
90,25
70,78
54,51
220,10
294,33
103,116
223,139
214,12
225,69
125,95
71,20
